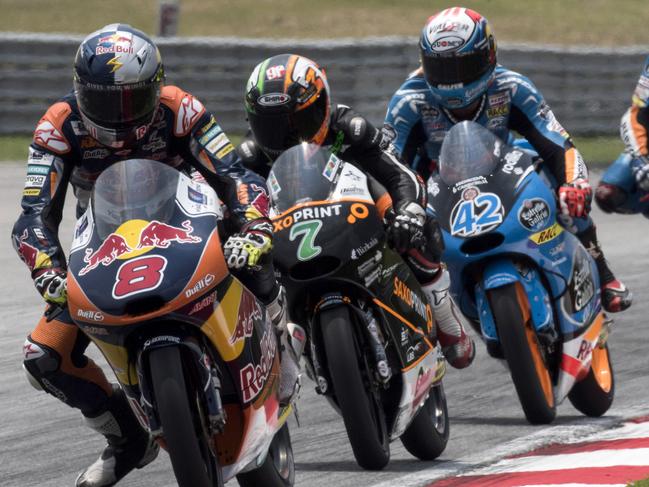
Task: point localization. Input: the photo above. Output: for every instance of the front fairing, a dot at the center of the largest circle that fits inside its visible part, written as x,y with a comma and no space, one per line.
132,253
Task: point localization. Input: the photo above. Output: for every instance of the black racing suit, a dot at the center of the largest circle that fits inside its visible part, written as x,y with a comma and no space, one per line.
184,135
354,139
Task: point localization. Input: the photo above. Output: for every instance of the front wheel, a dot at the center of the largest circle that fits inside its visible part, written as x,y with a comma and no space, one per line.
278,470
191,458
361,408
523,353
427,434
593,395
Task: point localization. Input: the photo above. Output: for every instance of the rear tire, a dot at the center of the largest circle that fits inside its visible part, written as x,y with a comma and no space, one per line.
523,353
278,470
361,409
427,435
176,409
593,395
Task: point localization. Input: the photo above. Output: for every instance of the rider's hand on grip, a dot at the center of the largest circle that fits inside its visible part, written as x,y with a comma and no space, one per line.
575,198
246,248
641,173
405,227
52,285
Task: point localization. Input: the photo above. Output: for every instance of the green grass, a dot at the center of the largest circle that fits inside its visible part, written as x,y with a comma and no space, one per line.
596,150
599,22
640,483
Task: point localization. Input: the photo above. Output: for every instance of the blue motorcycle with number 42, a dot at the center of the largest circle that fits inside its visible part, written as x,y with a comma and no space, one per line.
529,284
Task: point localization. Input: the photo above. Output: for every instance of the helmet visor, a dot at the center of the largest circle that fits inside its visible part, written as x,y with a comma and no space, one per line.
277,130
117,106
448,70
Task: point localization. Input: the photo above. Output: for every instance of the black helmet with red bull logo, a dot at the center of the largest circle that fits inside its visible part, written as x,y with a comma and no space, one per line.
118,76
287,102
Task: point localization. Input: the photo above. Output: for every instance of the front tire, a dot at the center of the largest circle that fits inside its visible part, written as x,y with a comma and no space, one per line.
593,395
176,409
427,435
278,470
523,353
361,409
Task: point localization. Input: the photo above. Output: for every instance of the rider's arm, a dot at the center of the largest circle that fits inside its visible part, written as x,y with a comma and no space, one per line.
403,124
533,119
634,127
204,145
370,149
35,233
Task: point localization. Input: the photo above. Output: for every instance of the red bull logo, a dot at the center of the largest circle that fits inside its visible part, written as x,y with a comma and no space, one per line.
29,254
249,312
127,242
114,44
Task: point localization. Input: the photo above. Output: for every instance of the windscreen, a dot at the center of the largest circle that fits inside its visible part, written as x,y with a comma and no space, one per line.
305,172
137,189
468,150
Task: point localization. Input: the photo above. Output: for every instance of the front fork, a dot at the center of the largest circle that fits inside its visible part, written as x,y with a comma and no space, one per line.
204,372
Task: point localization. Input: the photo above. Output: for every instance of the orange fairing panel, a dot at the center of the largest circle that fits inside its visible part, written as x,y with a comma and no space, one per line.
210,272
221,326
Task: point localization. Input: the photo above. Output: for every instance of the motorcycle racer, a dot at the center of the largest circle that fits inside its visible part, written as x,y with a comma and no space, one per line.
288,101
121,109
459,79
624,187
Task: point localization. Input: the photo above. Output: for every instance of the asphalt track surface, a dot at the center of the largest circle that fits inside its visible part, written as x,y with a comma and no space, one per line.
44,443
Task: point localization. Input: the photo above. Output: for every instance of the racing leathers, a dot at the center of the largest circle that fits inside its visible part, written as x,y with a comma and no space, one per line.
416,124
184,135
354,139
624,187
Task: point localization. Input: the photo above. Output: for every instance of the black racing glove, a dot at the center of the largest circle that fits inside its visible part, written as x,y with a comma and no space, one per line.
405,227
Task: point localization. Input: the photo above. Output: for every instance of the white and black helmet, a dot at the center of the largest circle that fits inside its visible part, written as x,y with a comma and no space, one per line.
118,76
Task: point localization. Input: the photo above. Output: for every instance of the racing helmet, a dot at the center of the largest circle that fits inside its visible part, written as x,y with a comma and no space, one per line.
287,102
458,56
118,76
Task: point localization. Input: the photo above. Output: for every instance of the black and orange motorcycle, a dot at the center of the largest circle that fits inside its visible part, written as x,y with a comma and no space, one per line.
368,321
193,349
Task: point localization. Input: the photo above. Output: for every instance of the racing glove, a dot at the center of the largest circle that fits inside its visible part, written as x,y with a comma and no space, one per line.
575,198
405,227
641,173
246,248
52,285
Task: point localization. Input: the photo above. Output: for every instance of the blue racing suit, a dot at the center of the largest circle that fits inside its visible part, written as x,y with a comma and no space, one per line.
617,190
417,124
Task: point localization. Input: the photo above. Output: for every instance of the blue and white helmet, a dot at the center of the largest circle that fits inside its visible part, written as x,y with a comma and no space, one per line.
118,77
458,56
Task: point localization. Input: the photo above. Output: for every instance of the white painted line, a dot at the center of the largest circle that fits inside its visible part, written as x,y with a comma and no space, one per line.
634,457
579,430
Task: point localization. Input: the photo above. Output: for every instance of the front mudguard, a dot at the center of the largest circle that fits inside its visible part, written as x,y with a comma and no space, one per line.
502,272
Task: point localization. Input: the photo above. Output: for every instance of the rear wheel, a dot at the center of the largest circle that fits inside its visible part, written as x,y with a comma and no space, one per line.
427,435
278,470
593,395
361,408
191,458
523,353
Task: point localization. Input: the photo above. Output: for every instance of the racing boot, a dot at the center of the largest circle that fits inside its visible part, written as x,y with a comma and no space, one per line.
615,295
292,339
458,347
129,444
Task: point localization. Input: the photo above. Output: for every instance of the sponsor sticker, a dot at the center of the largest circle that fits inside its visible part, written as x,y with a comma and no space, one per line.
225,151
547,235
534,214
96,154
196,196
34,181
37,169
31,192
217,143
274,99
38,157
331,168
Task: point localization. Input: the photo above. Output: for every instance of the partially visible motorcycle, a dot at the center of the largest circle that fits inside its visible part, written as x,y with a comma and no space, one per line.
193,349
529,284
367,320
